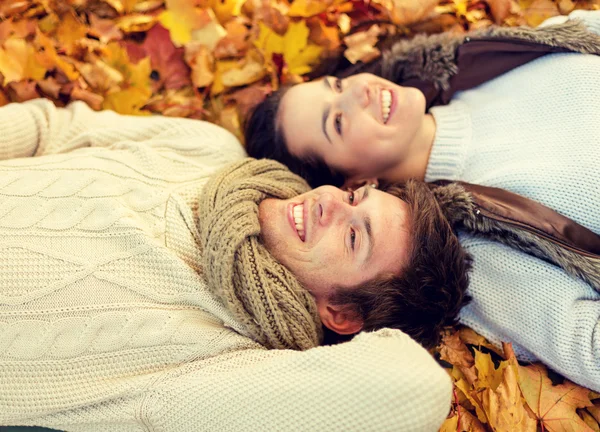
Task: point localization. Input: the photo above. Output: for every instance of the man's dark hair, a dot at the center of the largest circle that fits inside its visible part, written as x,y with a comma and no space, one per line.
430,291
265,139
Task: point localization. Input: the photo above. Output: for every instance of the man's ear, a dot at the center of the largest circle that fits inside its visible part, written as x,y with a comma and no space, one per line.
342,319
353,184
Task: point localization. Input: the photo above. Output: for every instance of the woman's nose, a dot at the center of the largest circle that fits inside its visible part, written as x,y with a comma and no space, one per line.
331,208
359,93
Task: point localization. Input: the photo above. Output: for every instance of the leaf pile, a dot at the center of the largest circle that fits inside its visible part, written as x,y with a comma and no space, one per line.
213,59
492,392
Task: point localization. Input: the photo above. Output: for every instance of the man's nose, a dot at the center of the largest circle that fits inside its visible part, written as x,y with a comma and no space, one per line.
331,209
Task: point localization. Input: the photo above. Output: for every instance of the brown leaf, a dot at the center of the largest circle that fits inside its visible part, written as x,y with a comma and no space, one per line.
22,91
248,97
455,352
361,45
554,406
49,87
589,420
105,30
92,99
198,56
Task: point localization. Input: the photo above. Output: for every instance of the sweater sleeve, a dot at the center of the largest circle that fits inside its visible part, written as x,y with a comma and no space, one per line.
37,128
378,381
591,19
546,314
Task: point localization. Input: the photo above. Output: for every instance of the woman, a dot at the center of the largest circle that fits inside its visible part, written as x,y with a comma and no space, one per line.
529,124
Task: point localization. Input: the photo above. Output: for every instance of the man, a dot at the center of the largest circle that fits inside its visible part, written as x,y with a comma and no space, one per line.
136,295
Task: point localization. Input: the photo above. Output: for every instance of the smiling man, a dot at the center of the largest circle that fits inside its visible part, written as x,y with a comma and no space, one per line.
153,277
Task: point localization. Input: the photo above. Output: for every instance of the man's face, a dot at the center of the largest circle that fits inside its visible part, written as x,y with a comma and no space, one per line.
331,238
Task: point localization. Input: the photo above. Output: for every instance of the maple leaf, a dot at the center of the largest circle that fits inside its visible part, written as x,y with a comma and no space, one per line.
554,406
198,56
181,18
69,31
297,52
500,9
361,45
455,352
307,8
211,31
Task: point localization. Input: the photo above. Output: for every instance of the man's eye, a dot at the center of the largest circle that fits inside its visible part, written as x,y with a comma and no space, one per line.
352,238
351,197
338,123
337,84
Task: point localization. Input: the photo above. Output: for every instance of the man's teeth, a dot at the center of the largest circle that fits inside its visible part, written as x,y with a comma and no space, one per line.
299,220
386,102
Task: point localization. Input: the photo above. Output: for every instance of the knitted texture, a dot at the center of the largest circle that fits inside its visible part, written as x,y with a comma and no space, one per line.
106,322
262,293
533,131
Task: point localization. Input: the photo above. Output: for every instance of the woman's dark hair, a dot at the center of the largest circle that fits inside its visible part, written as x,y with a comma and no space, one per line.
265,139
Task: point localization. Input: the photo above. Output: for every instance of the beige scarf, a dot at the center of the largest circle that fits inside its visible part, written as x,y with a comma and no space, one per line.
264,296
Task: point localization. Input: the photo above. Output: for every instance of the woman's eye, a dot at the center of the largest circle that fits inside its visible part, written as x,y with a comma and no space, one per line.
337,84
351,197
338,123
352,238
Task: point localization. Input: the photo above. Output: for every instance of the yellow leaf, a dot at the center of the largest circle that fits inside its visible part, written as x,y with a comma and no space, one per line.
18,61
221,67
300,64
198,57
450,424
128,101
69,31
297,54
294,40
136,23
135,75
504,406
181,18
49,58
227,9
268,41
488,376
307,8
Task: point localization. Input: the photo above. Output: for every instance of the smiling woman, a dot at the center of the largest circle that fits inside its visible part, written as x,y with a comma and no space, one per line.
361,126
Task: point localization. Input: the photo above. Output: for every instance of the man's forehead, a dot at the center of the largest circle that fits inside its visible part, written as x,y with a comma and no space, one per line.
390,231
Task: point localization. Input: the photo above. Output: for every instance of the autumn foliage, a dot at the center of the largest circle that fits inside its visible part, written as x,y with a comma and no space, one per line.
215,59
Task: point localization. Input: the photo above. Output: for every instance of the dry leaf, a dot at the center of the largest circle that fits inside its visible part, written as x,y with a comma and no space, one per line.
361,45
181,18
307,8
200,59
455,352
504,406
554,406
589,420
18,61
539,11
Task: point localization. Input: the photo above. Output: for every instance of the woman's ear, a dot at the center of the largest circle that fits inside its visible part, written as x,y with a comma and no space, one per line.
353,184
341,319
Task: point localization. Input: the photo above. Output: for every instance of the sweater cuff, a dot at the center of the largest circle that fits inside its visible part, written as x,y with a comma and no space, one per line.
452,137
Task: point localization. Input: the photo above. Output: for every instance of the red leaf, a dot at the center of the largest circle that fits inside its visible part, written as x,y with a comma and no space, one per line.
167,61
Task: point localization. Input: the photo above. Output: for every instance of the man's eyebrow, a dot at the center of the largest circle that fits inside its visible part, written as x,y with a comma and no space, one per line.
326,112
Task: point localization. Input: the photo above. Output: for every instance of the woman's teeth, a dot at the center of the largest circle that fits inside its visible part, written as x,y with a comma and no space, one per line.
386,102
299,220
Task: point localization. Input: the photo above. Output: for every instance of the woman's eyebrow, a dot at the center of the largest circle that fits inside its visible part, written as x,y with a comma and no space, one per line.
326,112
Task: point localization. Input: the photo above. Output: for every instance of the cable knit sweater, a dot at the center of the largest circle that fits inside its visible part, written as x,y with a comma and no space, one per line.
535,131
106,323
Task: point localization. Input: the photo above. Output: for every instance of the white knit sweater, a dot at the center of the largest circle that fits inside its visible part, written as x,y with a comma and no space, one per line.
106,323
535,131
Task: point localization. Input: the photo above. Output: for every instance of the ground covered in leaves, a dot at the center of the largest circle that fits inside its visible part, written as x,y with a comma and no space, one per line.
215,59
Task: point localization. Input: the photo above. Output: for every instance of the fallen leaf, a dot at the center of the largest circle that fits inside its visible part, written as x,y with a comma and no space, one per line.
200,59
235,42
211,31
181,18
169,69
589,420
18,61
22,91
500,9
136,23
307,8
49,87
129,101
105,30
69,31
469,336
594,410
539,11
92,99
406,12
297,52
250,72
361,45
455,352
487,375
504,407
554,406
227,9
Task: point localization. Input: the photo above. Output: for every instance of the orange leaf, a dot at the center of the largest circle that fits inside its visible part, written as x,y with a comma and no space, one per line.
554,406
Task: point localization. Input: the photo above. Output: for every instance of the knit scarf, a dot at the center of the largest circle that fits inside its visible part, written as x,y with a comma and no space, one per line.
262,294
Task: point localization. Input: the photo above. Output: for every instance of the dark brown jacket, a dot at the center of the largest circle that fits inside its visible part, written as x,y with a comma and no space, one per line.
440,65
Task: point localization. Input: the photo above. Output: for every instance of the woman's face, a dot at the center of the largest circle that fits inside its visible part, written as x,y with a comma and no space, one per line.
360,126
